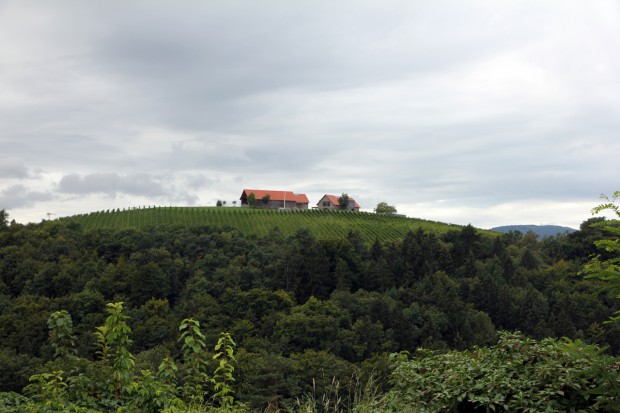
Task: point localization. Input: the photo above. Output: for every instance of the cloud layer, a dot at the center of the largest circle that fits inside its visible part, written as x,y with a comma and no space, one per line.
457,111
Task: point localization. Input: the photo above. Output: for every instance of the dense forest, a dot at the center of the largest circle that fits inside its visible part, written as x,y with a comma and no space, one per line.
304,313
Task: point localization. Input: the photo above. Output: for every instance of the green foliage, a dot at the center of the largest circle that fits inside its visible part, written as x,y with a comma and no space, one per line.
194,356
223,375
151,393
516,375
16,369
610,205
125,391
11,401
4,219
315,324
167,372
385,208
343,201
252,200
113,338
61,334
49,388
48,393
606,264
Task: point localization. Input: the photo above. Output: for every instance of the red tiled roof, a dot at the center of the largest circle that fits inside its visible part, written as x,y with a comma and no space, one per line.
334,200
276,195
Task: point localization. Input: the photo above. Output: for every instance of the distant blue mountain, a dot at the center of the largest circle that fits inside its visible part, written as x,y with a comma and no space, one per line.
542,231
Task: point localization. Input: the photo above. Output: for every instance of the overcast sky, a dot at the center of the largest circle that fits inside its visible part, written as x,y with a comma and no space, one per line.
482,112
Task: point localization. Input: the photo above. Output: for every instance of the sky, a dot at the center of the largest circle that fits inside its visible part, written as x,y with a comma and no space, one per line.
479,112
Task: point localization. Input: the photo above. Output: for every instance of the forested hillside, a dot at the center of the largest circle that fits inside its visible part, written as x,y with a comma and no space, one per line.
542,231
299,307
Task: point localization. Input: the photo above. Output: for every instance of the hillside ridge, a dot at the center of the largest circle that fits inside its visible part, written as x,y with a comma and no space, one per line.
542,231
322,224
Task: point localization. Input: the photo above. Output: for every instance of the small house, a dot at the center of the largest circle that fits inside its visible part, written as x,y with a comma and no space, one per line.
332,202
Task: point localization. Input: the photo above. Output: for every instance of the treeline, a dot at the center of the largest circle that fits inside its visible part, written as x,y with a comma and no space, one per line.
299,308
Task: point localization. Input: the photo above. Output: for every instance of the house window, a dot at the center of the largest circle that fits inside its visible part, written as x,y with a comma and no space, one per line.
325,203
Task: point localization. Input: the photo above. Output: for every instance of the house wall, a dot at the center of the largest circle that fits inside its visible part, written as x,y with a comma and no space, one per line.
274,204
280,204
321,206
350,206
271,204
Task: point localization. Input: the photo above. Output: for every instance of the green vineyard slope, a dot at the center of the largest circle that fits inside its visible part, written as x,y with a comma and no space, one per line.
322,224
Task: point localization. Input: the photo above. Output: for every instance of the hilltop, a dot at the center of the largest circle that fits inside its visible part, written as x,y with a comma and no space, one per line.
260,222
542,231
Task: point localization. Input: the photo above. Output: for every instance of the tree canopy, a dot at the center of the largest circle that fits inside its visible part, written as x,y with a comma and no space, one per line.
385,208
4,218
252,199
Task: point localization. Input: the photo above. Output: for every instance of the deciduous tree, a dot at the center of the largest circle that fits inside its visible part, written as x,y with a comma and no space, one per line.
4,218
252,199
385,208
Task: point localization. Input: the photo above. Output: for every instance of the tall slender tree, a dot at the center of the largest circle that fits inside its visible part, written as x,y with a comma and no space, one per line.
4,218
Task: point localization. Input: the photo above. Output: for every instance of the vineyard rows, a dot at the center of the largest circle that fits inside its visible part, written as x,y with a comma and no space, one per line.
322,224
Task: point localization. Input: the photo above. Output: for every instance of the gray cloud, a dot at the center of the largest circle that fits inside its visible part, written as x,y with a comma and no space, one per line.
111,184
469,103
18,196
199,181
140,185
13,168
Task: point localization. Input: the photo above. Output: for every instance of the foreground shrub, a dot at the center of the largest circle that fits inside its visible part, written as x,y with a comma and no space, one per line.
516,375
